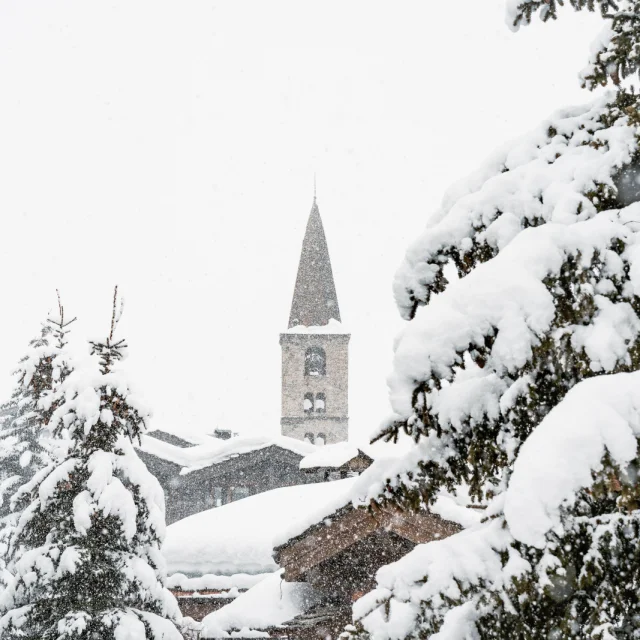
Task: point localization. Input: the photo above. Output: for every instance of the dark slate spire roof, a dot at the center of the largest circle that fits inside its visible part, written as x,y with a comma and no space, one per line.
315,300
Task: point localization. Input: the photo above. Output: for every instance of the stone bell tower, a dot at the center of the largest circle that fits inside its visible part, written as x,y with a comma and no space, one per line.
315,349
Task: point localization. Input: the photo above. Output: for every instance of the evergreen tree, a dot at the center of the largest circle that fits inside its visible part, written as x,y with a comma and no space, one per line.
21,449
24,441
517,381
85,556
26,445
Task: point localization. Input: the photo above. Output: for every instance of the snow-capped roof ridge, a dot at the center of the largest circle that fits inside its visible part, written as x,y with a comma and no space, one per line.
330,455
214,451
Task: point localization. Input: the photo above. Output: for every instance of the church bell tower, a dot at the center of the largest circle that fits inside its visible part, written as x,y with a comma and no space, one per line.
315,349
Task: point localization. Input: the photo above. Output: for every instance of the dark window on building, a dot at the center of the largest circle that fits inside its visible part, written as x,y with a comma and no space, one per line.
308,402
321,439
315,362
308,437
321,401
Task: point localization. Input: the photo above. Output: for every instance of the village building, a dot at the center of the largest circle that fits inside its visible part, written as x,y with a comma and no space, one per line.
326,558
198,473
336,461
315,349
338,557
198,477
215,556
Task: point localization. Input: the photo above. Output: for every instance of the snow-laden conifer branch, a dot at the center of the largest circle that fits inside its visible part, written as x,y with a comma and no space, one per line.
483,363
517,383
108,350
472,584
521,12
60,324
615,54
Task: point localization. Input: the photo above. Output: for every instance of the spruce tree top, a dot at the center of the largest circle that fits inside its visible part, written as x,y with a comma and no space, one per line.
23,436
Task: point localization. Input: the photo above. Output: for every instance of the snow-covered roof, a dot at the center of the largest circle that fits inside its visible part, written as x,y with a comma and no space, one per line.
330,455
359,493
239,537
332,327
214,582
212,450
351,491
172,438
271,603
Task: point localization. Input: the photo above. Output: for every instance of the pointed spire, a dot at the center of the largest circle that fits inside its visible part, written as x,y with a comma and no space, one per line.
315,301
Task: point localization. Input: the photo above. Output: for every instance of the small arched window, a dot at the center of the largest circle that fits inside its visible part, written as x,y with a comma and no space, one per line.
308,402
321,439
308,437
315,362
320,404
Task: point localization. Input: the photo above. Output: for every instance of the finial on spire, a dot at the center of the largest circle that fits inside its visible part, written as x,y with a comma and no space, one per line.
314,187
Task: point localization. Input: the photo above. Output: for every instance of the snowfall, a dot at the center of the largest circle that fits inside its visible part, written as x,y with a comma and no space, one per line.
539,177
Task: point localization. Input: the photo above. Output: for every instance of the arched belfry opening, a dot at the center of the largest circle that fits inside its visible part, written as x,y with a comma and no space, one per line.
315,348
315,361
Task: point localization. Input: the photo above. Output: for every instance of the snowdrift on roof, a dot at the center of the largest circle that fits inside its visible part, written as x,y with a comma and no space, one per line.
331,455
239,537
270,603
333,327
215,451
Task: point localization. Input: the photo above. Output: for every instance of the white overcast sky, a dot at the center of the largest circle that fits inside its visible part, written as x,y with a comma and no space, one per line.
170,147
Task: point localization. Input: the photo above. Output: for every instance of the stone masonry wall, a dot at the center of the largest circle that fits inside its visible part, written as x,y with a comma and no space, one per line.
295,422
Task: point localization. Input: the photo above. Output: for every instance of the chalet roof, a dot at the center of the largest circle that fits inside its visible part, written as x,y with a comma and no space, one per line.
360,493
171,438
214,582
315,301
213,450
349,525
239,536
332,456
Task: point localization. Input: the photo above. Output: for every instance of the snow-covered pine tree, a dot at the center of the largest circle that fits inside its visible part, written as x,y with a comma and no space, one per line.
21,449
86,554
518,381
24,441
26,445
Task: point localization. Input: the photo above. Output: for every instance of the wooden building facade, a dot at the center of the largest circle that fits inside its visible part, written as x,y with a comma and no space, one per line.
339,558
